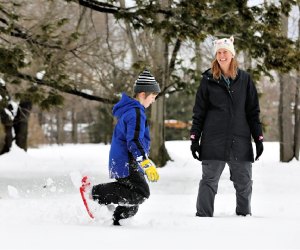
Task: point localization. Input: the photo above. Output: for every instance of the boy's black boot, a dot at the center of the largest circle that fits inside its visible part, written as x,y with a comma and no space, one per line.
116,222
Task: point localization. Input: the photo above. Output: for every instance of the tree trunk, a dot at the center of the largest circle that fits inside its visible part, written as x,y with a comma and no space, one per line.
297,117
6,136
247,61
60,127
297,102
74,127
21,124
285,120
6,120
198,60
2,136
285,114
159,153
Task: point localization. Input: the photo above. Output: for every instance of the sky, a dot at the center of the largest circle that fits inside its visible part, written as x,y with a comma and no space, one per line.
41,208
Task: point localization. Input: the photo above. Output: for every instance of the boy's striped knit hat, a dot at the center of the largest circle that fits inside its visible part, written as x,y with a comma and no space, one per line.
146,83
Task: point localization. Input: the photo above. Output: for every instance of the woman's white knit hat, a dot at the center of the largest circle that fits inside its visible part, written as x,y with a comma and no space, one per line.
224,43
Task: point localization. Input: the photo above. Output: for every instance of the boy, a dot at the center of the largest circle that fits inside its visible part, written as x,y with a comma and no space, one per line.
128,157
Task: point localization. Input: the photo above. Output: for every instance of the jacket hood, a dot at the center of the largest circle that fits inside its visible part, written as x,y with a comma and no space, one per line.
126,103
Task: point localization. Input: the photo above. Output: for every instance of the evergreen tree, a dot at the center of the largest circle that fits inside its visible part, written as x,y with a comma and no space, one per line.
57,46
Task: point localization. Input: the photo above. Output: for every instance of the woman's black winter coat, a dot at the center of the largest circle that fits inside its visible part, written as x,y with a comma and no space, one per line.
225,118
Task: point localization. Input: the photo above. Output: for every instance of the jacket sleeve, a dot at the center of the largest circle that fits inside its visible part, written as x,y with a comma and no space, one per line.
135,124
199,110
253,111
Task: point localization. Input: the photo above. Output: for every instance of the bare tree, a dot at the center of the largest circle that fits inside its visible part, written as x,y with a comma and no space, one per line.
297,101
286,127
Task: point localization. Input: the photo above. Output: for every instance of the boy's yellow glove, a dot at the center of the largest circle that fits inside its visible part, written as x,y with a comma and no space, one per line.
150,170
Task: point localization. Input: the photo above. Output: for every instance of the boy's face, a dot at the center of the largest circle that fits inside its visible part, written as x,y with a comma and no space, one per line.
146,101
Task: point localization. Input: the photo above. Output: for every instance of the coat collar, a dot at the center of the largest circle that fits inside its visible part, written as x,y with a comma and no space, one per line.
208,75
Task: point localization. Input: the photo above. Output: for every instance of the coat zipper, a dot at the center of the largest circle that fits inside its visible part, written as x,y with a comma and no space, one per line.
229,92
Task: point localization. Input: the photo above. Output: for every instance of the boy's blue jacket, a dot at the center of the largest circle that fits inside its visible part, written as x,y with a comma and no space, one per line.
131,138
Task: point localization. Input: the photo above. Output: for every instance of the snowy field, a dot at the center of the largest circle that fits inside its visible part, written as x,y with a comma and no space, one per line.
40,208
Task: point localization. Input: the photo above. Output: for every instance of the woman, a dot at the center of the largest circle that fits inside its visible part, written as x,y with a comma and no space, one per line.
226,115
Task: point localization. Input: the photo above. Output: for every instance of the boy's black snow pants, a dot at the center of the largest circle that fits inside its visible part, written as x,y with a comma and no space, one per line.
127,193
240,175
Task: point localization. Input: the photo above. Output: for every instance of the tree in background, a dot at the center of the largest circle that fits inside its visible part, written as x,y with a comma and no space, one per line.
288,112
297,100
46,54
101,129
6,119
59,45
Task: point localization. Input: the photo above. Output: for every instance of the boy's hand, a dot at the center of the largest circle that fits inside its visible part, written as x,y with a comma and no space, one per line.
150,170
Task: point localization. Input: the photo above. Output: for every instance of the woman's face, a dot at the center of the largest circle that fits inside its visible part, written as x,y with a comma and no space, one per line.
224,57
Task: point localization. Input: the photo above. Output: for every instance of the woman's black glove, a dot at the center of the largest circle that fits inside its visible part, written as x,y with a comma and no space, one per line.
195,147
259,147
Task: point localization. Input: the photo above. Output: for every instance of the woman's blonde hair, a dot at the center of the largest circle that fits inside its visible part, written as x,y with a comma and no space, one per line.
216,69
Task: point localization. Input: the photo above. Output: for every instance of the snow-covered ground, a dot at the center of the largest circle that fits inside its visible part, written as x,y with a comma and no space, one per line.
40,208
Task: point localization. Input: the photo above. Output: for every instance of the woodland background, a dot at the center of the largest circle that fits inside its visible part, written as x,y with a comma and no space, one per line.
64,63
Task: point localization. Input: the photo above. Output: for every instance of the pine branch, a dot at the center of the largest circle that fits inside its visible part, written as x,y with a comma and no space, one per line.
64,88
98,6
174,55
20,32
